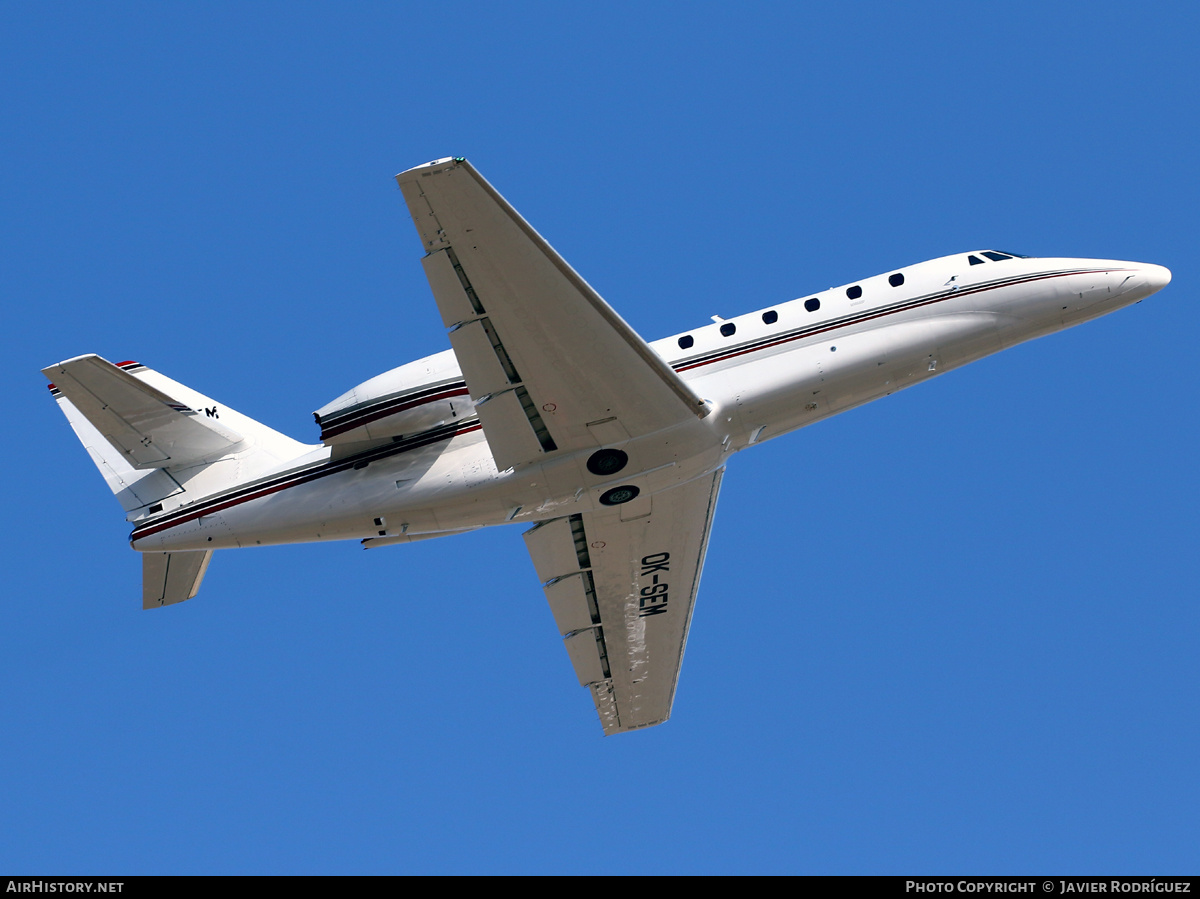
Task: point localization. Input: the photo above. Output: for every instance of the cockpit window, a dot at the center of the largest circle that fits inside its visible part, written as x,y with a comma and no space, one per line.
974,260
995,257
1017,255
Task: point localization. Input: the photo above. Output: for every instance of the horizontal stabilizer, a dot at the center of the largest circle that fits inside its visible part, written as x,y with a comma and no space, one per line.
168,578
146,426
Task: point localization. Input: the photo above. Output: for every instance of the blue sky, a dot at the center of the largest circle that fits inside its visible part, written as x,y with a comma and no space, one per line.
952,631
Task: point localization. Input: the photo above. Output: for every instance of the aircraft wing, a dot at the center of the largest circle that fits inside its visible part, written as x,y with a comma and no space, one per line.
549,364
622,593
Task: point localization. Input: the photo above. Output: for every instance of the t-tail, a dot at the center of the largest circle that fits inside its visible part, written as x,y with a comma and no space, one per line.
160,445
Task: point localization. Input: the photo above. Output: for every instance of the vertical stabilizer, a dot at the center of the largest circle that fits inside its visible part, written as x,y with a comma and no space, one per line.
168,578
160,445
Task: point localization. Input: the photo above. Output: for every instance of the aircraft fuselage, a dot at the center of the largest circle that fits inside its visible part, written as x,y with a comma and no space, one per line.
762,374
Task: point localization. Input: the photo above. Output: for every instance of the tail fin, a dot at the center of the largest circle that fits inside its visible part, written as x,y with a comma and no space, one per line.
149,428
156,442
158,445
168,578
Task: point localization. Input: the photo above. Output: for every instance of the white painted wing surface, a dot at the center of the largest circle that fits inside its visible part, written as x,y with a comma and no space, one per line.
622,586
549,363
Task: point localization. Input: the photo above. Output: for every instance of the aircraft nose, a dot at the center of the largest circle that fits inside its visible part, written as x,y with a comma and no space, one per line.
1157,276
1144,280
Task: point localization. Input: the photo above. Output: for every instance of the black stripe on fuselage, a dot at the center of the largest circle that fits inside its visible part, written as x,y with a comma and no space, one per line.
249,492
341,422
267,486
759,343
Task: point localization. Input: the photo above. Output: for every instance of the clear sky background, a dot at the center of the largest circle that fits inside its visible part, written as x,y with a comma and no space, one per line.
952,631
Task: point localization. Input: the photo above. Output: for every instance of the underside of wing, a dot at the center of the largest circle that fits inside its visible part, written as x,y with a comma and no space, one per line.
549,364
622,593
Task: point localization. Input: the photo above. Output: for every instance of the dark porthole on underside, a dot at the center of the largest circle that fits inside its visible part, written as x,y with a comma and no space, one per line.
854,292
607,461
769,318
812,305
896,280
728,329
686,341
619,495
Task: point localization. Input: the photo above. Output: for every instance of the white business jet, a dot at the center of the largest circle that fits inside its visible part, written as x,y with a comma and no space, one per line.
550,410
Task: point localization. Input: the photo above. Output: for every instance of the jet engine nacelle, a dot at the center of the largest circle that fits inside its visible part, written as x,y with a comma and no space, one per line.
398,403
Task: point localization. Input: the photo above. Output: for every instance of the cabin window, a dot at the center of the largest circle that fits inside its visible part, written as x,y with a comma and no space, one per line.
995,257
812,305
686,341
974,260
854,292
728,329
896,280
769,318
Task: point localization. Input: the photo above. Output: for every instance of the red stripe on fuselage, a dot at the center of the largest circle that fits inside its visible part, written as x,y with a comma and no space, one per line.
731,354
833,326
368,417
296,480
